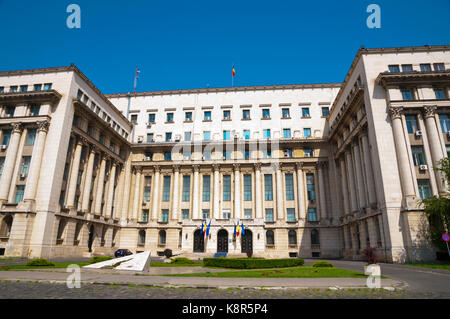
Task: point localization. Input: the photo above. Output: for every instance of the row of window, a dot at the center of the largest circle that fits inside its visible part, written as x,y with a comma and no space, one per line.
32,110
207,115
24,88
424,67
409,94
6,137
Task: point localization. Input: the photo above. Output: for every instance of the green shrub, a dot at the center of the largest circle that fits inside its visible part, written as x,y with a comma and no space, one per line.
251,263
98,259
322,264
40,262
182,260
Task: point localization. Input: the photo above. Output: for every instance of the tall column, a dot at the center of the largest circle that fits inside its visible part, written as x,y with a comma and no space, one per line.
112,179
118,196
359,176
344,186
434,141
300,191
237,191
126,191
155,197
280,197
351,177
369,170
176,177
36,159
74,174
402,152
258,199
216,206
101,180
195,203
322,192
137,187
88,182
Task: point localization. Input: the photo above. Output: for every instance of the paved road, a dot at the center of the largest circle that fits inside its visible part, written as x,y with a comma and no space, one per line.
417,278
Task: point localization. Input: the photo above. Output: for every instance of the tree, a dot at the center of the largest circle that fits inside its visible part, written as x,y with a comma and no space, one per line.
437,209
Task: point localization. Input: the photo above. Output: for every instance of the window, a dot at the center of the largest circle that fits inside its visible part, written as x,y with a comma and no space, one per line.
149,137
439,66
439,93
312,214
266,133
185,213
31,136
310,187
424,188
325,111
34,109
418,155
407,94
148,156
285,113
306,132
226,115
188,116
186,188
19,193
270,238
268,189
165,216
287,133
227,188
2,89
206,155
269,215
226,214
289,181
187,136
292,235
206,188
168,136
247,187
133,118
407,68
10,111
308,152
2,163
305,112
246,154
227,155
448,152
187,156
47,86
145,215
166,189
151,117
141,237
207,116
287,152
246,134
207,136
411,124
205,213
162,237
266,114
246,114
23,88
6,137
226,135
443,119
13,88
315,237
394,68
25,165
247,213
425,67
290,214
267,153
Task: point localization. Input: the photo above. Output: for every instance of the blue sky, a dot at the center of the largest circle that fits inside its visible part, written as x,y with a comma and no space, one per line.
184,44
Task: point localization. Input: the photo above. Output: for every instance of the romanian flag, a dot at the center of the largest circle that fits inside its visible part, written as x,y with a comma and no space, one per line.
233,71
234,235
243,230
207,229
204,228
237,230
201,229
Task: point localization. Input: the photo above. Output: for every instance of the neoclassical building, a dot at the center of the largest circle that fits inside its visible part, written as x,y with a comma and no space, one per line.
308,170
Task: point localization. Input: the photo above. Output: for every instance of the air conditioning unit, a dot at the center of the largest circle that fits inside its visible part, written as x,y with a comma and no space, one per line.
307,154
286,153
148,158
423,167
23,175
140,139
418,133
149,125
4,147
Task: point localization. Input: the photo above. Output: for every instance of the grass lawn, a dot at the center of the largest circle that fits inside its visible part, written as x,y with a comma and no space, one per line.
435,266
294,272
161,264
25,267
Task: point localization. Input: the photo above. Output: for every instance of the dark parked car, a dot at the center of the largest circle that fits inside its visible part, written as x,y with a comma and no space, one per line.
122,253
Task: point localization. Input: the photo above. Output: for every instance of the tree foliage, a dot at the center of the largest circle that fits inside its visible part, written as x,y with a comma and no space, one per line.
437,209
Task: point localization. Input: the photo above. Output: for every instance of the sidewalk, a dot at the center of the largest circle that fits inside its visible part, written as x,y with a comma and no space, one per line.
124,278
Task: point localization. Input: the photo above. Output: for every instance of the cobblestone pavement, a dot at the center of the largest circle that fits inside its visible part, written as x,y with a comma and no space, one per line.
32,290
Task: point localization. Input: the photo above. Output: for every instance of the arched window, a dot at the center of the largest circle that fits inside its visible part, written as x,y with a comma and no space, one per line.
292,237
5,228
315,237
142,237
162,237
270,238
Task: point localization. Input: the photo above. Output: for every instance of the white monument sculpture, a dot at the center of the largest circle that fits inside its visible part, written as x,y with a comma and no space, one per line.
137,262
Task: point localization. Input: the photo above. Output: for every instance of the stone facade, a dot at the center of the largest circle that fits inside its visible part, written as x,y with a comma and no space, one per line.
310,170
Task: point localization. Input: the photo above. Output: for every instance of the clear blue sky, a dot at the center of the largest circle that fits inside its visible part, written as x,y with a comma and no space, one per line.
181,44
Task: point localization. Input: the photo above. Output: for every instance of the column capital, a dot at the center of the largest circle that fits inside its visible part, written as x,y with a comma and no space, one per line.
321,165
299,165
276,165
137,169
429,110
93,148
196,167
157,168
257,166
17,127
395,112
216,167
176,168
236,167
114,162
43,126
